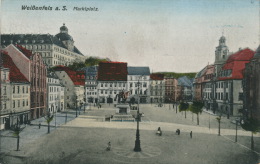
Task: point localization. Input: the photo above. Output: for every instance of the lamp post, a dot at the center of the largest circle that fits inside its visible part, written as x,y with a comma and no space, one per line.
137,141
76,106
236,129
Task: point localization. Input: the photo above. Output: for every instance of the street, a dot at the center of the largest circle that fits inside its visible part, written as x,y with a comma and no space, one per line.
84,140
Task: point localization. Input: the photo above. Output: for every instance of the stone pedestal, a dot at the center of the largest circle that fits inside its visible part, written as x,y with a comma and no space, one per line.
122,109
122,113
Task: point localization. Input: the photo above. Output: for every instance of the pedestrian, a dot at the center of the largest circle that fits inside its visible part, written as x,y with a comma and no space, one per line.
108,146
172,106
190,134
39,125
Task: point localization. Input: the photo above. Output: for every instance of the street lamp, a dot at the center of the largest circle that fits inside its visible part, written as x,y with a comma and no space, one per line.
137,141
236,129
76,106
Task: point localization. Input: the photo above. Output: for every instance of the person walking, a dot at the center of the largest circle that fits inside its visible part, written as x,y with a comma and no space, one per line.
39,125
109,146
190,134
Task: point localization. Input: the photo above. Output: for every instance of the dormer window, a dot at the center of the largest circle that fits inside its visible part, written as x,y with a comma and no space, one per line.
18,41
42,41
25,41
33,41
3,41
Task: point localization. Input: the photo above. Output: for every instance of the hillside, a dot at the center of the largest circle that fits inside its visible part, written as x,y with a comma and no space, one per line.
177,75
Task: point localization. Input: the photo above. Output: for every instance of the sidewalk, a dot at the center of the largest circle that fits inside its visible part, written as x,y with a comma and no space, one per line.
8,141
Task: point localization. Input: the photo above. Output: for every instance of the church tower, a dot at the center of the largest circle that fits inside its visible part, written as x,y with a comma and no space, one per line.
221,54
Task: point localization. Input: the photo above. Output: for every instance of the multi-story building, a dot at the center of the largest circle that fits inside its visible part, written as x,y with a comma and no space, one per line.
112,79
74,91
139,77
91,84
55,50
32,67
197,85
229,88
251,87
185,86
157,88
170,87
55,94
207,86
15,94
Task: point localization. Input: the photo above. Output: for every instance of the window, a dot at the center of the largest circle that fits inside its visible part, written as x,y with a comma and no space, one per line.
4,105
27,103
240,97
23,103
13,103
4,90
18,89
13,89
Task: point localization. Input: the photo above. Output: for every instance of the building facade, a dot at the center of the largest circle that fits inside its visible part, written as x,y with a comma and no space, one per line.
55,94
91,84
112,79
157,88
15,94
74,90
170,87
251,87
55,50
138,78
229,88
32,67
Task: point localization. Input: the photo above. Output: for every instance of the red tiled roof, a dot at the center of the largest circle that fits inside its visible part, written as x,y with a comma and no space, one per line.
78,77
236,63
157,76
112,71
15,74
26,52
245,54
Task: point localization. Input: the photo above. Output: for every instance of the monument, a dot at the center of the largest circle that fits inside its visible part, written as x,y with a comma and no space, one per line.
122,108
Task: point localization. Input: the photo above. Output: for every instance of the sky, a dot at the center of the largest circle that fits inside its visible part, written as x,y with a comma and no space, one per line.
166,35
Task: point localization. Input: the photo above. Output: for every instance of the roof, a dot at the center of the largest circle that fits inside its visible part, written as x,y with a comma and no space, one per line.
157,76
242,55
200,73
138,70
185,81
23,39
91,70
236,64
15,74
112,71
25,51
77,77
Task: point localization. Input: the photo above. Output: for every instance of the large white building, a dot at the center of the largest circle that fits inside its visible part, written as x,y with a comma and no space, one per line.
55,50
139,77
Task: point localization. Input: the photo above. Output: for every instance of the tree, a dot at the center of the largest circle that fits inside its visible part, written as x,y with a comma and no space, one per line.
252,125
17,130
218,119
184,106
48,119
196,107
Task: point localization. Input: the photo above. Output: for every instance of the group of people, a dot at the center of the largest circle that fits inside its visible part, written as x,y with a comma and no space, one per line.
98,105
178,132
